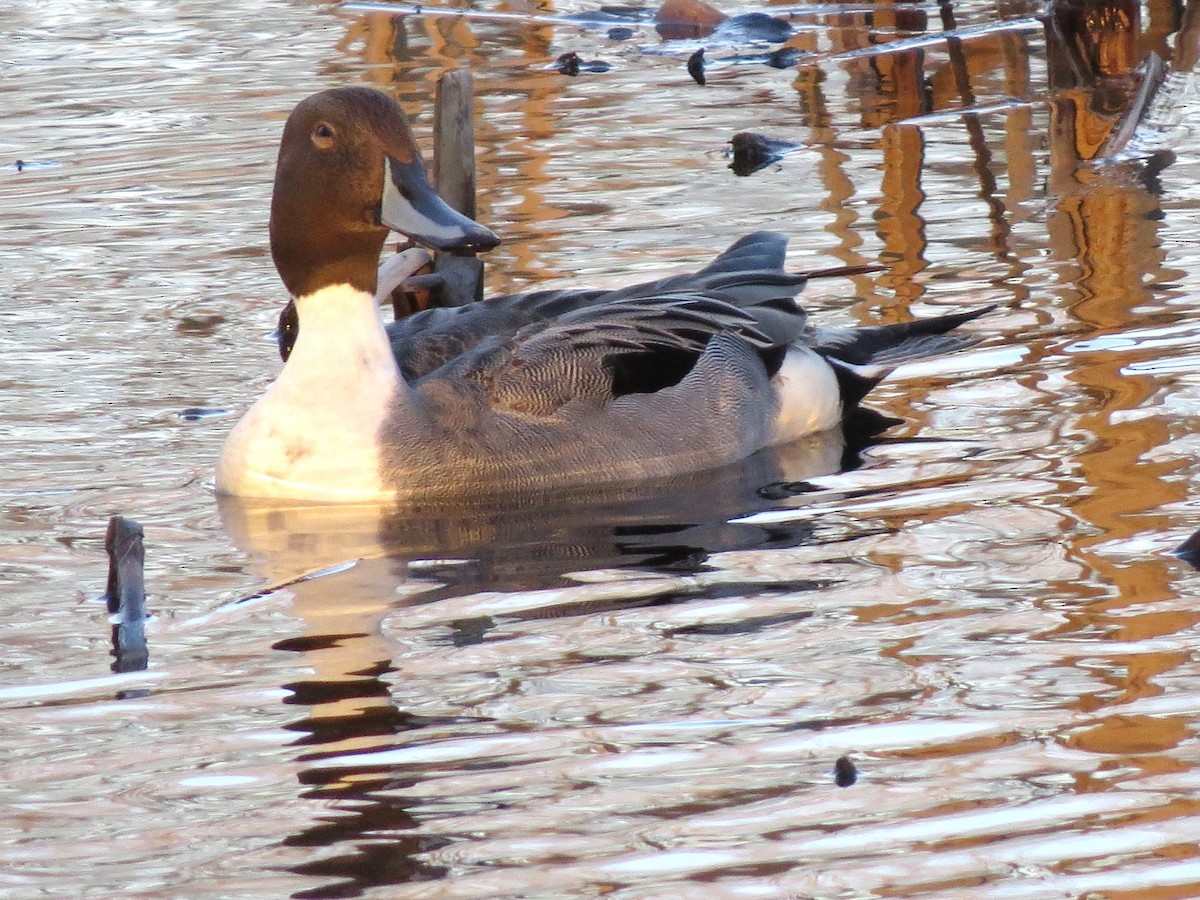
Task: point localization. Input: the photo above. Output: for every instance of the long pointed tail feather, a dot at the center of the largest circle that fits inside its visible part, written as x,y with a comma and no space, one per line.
845,271
890,345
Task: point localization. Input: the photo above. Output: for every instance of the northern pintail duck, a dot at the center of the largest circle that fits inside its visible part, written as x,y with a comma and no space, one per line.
539,390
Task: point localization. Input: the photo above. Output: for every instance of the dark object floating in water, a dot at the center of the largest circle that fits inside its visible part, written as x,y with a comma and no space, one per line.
695,67
196,413
620,33
752,152
753,27
126,594
25,165
199,325
1189,551
844,772
784,57
570,64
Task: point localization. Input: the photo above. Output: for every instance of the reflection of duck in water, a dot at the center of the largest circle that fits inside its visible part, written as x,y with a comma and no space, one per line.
530,539
537,391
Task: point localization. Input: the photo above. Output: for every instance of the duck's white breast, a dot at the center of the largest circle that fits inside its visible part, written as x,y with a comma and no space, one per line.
315,434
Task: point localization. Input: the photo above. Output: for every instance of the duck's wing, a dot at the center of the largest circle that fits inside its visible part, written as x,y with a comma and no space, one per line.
430,339
594,354
748,276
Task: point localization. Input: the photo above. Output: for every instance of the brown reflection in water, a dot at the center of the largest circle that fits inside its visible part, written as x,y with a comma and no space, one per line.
1020,159
1094,39
1133,735
900,224
831,169
979,147
1162,20
451,42
1107,224
902,94
515,166
1102,221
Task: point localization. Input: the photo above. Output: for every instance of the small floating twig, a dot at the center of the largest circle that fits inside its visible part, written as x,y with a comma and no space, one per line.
932,39
416,9
958,112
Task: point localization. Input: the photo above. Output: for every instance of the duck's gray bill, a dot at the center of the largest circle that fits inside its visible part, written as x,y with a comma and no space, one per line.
413,208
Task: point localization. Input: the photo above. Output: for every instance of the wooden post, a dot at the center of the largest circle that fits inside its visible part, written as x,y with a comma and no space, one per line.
126,594
454,178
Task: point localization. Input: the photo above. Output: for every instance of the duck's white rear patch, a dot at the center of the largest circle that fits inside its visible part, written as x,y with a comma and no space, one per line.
808,396
314,434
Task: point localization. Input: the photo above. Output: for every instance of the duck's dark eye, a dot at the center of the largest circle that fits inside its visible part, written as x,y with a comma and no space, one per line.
322,136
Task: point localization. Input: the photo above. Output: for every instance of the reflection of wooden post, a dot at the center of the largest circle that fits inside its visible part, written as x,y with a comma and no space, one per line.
1187,41
454,178
1091,39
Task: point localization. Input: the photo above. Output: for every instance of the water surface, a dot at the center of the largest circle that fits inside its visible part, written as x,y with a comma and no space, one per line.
637,692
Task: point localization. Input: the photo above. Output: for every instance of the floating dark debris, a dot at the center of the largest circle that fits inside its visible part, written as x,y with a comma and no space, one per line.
695,67
199,325
196,413
785,57
753,28
570,64
752,152
24,165
844,772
